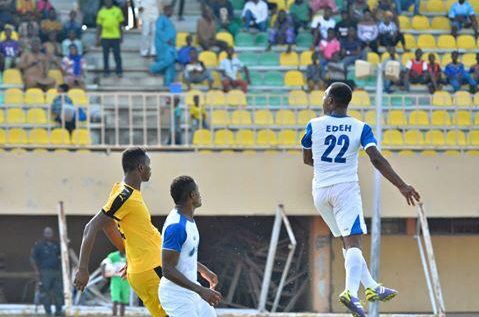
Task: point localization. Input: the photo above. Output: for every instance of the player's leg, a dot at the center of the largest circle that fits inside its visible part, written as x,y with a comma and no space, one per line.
178,303
204,309
146,285
325,209
115,309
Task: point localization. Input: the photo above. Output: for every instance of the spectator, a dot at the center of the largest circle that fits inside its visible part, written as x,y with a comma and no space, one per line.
317,5
195,71
342,27
474,71
329,46
197,115
383,7
63,110
314,73
229,68
184,52
110,34
6,18
416,70
434,77
149,10
74,66
224,14
9,50
389,34
119,287
28,22
71,39
255,14
165,44
43,8
351,49
181,7
335,71
456,74
387,82
283,31
404,5
301,14
49,25
27,39
45,261
206,31
357,8
26,7
34,65
462,15
72,25
321,24
368,31
51,47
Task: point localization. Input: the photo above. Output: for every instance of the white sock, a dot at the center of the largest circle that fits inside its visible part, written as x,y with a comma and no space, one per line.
354,268
366,278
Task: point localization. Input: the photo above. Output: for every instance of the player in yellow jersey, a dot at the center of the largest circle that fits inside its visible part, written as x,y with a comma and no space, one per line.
126,221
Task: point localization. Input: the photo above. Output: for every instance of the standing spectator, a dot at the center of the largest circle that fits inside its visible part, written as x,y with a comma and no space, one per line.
314,73
73,66
28,22
389,34
283,31
71,39
357,8
51,47
148,10
45,261
181,8
195,72
301,14
63,110
416,70
44,7
72,25
321,24
50,24
387,82
456,74
165,44
351,49
119,287
474,71
229,68
317,5
225,18
342,27
462,15
335,71
184,52
404,5
110,34
329,46
434,77
34,65
368,31
26,7
206,31
255,14
27,39
9,50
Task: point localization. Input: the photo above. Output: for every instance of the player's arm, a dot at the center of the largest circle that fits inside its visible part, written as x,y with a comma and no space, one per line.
307,144
383,166
308,157
208,275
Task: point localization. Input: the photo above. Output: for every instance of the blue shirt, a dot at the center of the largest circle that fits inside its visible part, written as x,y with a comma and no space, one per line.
46,255
458,9
183,56
454,70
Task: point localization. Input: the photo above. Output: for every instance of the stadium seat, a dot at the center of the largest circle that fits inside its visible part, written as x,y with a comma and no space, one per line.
294,78
37,116
241,117
16,116
245,138
57,75
407,56
34,96
473,138
304,40
441,98
360,98
373,58
181,38
50,95
435,6
455,137
289,59
78,96
236,98
13,96
226,37
440,23
429,153
370,117
249,58
266,137
287,138
474,153
208,58
469,59
298,98
476,119
222,55
306,58
392,137
426,41
38,136
462,98
355,114
462,118
285,117
202,137
304,116
12,76
396,117
190,97
418,117
316,98
420,23
435,137
224,137
81,137
263,117
273,78
60,137
451,153
2,116
3,137
220,117
17,136
268,59
215,98
407,153
244,39
440,118
446,59
404,22
261,40
466,42
446,42
413,137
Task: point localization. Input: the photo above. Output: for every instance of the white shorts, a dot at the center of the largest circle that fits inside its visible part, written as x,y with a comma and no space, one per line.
341,207
184,303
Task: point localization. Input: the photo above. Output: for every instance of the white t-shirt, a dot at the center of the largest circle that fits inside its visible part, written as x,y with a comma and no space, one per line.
231,67
259,10
323,24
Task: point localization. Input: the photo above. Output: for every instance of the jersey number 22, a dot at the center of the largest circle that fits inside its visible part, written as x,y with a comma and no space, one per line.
331,142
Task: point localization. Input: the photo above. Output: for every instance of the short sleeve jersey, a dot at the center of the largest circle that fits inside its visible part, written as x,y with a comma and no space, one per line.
110,21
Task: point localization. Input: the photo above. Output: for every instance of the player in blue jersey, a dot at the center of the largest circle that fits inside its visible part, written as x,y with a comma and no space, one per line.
180,293
331,145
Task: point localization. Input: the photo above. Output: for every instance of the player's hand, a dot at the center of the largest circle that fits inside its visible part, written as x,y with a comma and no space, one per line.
411,195
81,279
211,296
211,277
123,271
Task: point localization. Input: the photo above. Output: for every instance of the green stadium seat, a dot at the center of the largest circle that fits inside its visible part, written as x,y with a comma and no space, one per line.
274,78
268,59
261,39
304,40
249,58
256,78
244,40
237,4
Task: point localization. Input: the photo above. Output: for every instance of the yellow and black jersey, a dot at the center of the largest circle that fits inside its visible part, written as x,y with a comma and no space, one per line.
142,239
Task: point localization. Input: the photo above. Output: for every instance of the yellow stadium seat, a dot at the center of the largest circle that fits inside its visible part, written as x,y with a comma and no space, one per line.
190,97
446,59
469,59
16,116
440,23
370,117
410,41
474,153
266,137
294,78
429,153
373,58
51,95
2,117
17,136
38,136
473,138
455,137
404,22
306,58
355,114
215,98
420,23
413,137
3,137
202,137
208,58
466,42
285,117
60,137
298,98
426,41
435,137
304,116
245,138
34,96
407,153
361,98
476,99
451,153
13,96
37,116
78,96
396,117
57,75
12,76
462,98
441,98
440,118
446,42
81,137
418,117
224,137
287,138
241,117
462,118
435,6
384,57
289,59
220,117
236,97
181,38
316,98
407,56
392,137
263,117
226,37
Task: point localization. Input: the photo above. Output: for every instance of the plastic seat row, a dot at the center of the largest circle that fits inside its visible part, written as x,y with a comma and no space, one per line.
272,59
432,137
443,42
261,117
42,137
35,96
246,138
13,76
18,116
468,59
243,39
223,36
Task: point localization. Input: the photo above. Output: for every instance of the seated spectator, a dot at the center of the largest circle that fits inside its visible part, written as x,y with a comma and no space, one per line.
51,46
72,25
255,14
342,27
13,34
26,7
456,74
301,14
404,5
195,71
383,7
314,74
387,82
335,71
416,70
351,49
229,68
462,15
6,18
321,24
474,71
357,9
389,34
283,31
43,8
368,31
329,46
206,31
63,110
74,66
184,52
317,5
225,18
434,77
26,40
28,22
49,25
71,39
9,50
34,65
